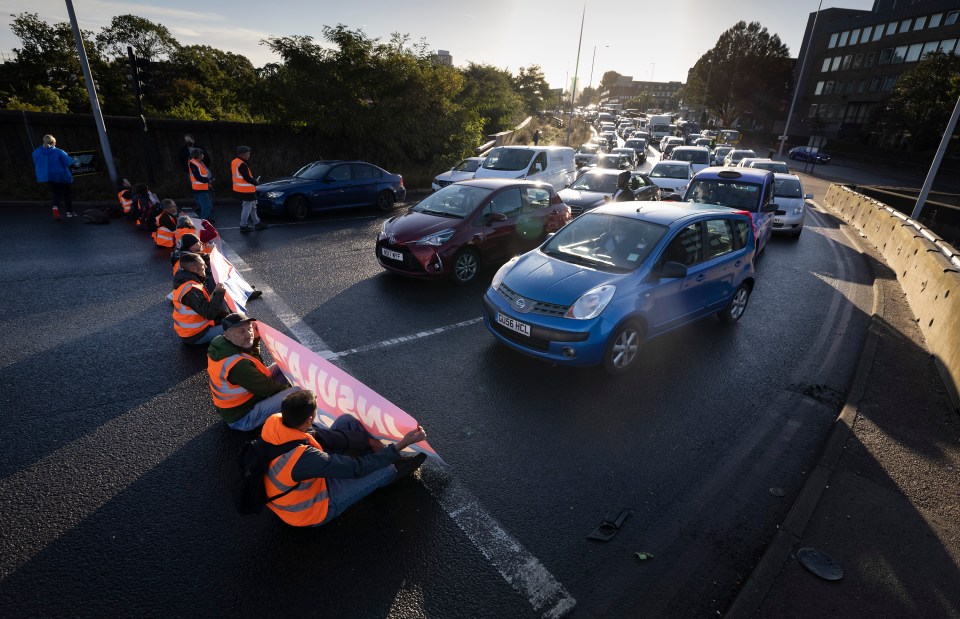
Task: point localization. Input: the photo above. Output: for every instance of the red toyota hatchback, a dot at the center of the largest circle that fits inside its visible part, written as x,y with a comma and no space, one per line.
467,225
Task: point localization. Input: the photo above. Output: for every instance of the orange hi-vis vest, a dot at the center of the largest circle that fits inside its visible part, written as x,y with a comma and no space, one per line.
187,322
240,184
226,394
179,232
163,237
307,504
194,183
125,203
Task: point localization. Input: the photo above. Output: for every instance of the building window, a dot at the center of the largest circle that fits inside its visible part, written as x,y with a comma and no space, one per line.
855,37
822,112
868,60
947,46
929,48
850,86
846,62
843,38
833,41
885,56
889,81
831,110
913,52
904,26
826,65
874,83
857,61
813,111
828,88
866,34
836,63
878,32
861,86
891,28
819,89
919,23
898,54
839,87
951,18
935,20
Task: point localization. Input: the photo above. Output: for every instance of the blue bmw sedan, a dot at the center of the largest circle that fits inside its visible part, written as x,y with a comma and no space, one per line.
619,275
330,184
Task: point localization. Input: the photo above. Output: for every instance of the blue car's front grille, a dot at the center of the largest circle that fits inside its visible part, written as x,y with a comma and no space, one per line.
539,307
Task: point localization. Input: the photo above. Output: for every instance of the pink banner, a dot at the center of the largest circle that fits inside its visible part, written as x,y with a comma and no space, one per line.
339,393
238,290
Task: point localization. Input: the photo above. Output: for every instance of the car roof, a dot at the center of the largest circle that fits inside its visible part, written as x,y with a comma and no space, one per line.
663,213
757,175
603,172
497,183
691,147
672,162
781,176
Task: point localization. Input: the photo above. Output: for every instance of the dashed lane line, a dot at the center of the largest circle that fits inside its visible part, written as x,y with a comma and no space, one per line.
403,339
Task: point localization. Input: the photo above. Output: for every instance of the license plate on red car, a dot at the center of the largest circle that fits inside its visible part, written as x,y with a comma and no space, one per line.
393,255
514,325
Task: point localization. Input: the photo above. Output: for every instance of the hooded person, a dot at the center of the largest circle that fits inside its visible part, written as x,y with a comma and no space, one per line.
245,391
196,312
188,244
623,192
52,166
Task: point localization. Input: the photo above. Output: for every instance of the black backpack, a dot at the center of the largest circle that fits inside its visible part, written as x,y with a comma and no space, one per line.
246,476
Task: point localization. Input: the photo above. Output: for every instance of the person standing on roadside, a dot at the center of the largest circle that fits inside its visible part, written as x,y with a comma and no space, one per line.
184,156
536,137
200,179
52,166
245,190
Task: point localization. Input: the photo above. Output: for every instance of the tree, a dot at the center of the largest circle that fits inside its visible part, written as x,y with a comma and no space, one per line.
491,92
608,80
921,103
148,40
587,96
220,83
747,70
533,87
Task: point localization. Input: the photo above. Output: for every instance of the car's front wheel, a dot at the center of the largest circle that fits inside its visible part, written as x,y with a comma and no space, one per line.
385,200
737,305
298,207
623,348
466,266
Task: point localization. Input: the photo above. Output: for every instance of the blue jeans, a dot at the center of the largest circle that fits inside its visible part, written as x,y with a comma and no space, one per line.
211,333
265,407
204,203
345,492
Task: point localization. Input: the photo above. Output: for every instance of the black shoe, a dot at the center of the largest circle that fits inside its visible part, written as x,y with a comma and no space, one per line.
406,465
245,229
261,226
256,294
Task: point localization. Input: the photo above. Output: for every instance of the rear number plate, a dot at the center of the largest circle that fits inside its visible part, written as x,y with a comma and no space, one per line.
393,255
514,325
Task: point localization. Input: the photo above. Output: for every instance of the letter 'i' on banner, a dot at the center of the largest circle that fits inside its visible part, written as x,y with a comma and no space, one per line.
339,393
238,290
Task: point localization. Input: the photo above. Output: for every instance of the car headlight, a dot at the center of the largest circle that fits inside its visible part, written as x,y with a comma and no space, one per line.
798,209
273,194
681,188
437,238
502,272
591,303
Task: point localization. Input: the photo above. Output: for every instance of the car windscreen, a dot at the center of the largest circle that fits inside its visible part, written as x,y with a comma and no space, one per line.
508,159
774,166
611,162
693,156
468,165
588,149
724,192
605,242
635,143
722,152
666,170
737,155
661,128
313,171
453,201
788,188
604,183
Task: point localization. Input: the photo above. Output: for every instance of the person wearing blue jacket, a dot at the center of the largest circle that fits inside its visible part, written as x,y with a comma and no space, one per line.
52,166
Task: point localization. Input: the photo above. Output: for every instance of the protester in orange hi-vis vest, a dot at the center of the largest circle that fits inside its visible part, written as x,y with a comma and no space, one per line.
190,244
314,483
185,226
196,313
200,179
125,196
245,190
245,391
165,234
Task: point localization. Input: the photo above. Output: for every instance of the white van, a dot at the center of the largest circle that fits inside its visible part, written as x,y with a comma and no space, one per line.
548,164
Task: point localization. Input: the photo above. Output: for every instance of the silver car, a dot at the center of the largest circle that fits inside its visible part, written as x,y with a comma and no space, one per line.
791,205
734,156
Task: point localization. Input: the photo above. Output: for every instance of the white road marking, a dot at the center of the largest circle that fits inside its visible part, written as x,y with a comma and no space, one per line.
516,565
400,340
307,222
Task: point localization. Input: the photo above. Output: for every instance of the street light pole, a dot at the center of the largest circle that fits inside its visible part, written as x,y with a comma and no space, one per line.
796,90
576,71
706,93
935,166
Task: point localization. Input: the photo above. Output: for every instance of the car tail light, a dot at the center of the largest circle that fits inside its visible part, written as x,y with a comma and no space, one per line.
401,183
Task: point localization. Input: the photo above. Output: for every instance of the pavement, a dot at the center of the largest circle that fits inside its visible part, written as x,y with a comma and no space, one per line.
883,503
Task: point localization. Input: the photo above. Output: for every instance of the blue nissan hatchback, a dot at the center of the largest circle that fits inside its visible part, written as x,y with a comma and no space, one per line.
619,275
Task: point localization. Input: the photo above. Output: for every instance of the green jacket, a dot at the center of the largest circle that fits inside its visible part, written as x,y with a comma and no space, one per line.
244,374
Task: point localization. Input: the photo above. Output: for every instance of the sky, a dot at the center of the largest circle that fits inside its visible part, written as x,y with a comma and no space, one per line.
646,40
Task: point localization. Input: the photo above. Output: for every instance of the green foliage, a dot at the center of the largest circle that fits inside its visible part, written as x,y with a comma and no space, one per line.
189,109
148,40
608,80
490,91
39,99
533,87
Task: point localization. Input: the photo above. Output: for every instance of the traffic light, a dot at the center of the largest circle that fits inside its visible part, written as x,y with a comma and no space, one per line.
139,74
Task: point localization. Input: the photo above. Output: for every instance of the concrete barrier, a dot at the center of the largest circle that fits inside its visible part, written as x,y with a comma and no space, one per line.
927,268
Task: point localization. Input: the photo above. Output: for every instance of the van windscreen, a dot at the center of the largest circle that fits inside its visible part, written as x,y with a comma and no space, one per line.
508,159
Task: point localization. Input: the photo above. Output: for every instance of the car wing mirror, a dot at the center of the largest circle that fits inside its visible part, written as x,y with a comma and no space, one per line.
495,217
671,270
808,196
769,207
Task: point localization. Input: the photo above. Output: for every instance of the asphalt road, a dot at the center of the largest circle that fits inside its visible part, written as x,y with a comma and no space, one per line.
112,488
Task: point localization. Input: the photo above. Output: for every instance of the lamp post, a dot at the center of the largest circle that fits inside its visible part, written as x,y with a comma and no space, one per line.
706,93
796,90
653,67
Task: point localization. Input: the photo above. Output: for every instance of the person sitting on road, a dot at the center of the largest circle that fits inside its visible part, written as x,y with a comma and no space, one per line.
189,244
623,192
125,196
185,226
245,391
337,467
166,222
196,313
